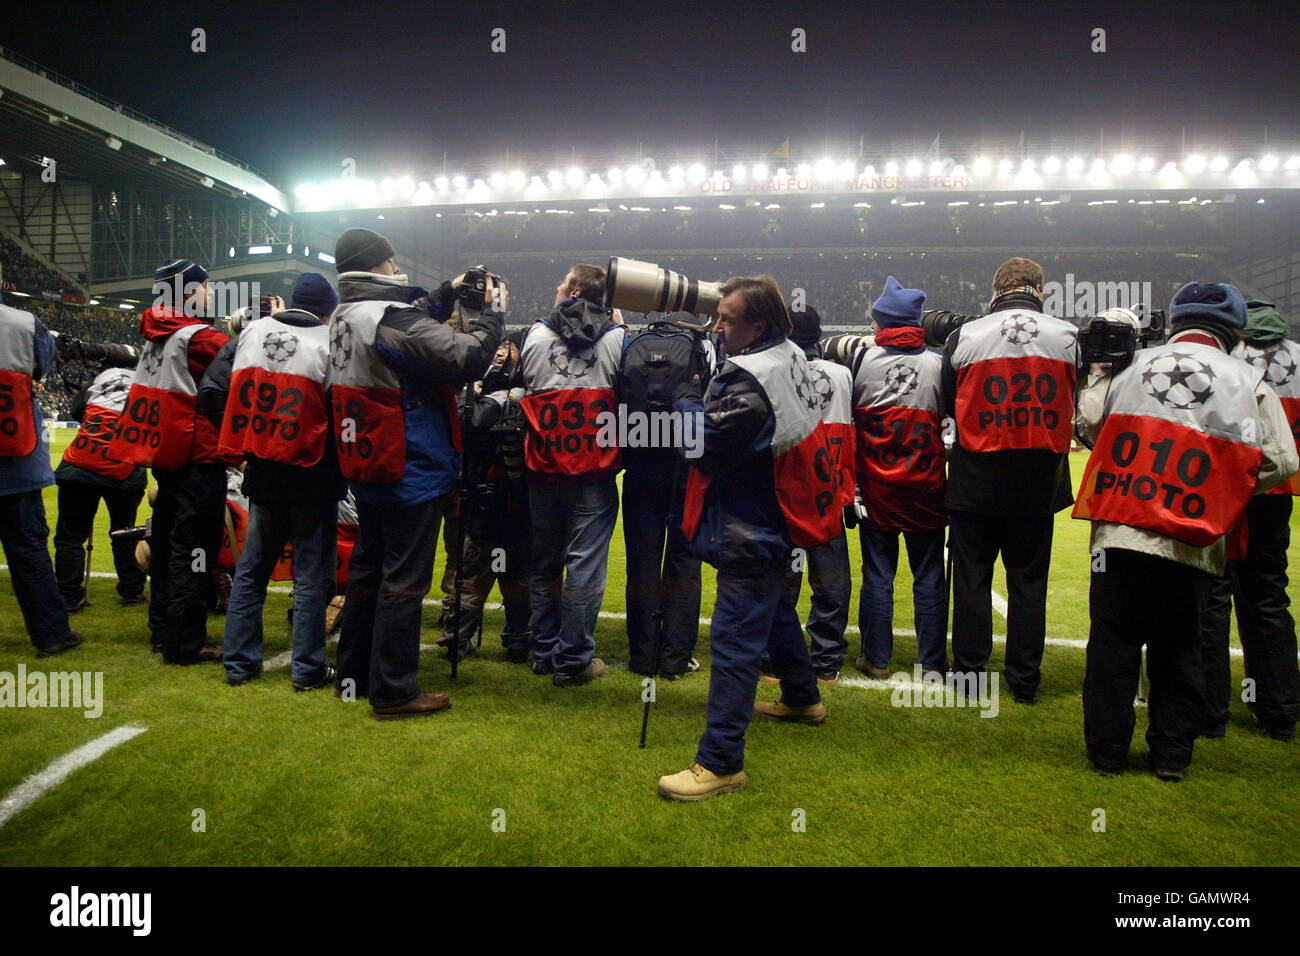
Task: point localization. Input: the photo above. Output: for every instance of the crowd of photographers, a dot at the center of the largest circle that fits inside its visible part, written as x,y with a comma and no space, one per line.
753,444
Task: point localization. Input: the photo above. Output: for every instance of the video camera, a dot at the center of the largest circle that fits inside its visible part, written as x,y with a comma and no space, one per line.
1114,336
645,287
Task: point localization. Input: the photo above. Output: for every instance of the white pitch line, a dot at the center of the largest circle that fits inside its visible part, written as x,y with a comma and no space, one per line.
37,785
999,605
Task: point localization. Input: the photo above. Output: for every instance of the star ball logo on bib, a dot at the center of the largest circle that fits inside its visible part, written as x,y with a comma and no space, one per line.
1178,380
340,345
901,379
570,364
804,387
824,388
280,346
1019,329
1278,365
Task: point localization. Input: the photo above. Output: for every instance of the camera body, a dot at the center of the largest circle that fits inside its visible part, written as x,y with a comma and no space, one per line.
472,291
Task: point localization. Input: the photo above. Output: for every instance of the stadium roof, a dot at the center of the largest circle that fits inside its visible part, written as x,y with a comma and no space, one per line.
96,140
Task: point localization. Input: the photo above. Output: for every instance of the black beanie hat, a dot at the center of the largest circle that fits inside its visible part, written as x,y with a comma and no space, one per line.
361,249
807,327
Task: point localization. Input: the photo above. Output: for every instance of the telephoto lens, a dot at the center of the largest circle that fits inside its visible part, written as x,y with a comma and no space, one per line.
645,287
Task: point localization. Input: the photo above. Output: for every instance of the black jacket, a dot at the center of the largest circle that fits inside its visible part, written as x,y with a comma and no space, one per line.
273,482
1021,481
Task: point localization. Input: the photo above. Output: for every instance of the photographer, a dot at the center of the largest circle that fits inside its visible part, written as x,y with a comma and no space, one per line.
763,485
663,578
829,576
161,427
570,365
26,354
266,391
495,512
88,474
1256,580
1182,438
898,409
394,372
1008,381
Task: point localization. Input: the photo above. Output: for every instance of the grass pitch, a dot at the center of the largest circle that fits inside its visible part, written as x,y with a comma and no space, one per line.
518,772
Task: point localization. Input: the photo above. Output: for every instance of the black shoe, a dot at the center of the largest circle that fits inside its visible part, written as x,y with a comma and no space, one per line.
1029,701
68,643
542,668
208,654
1106,771
327,678
242,679
76,604
1277,733
517,655
131,600
1215,731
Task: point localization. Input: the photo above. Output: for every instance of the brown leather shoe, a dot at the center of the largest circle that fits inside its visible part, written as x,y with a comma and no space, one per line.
421,706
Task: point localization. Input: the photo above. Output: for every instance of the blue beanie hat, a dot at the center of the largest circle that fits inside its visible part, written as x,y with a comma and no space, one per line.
897,306
187,269
313,293
1208,301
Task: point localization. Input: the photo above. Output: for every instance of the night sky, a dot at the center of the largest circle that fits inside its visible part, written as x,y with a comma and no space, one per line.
294,88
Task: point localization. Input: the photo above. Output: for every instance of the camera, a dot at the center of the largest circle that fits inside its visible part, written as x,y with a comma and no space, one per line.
939,324
645,287
472,290
104,354
140,533
1112,337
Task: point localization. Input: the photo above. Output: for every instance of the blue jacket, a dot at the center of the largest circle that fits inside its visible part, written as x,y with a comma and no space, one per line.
742,528
428,356
32,471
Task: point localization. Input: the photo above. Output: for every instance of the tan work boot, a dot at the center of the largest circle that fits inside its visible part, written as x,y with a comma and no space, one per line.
875,673
812,714
698,783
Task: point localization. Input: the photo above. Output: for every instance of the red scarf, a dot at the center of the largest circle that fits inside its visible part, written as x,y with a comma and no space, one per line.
902,337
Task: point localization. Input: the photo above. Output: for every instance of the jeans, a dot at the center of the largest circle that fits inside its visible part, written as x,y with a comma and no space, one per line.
390,573
313,531
752,612
832,592
655,546
187,521
23,533
78,504
929,595
572,525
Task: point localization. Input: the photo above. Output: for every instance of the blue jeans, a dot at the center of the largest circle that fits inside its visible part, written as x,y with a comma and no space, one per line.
929,595
313,530
24,535
752,612
572,526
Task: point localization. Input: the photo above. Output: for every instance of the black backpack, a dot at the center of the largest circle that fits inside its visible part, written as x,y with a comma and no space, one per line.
658,359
